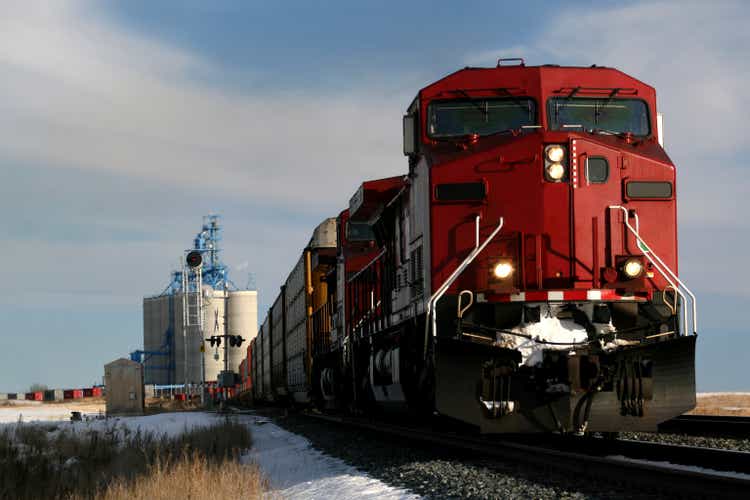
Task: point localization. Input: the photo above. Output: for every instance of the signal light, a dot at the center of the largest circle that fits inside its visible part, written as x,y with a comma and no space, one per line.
194,259
235,340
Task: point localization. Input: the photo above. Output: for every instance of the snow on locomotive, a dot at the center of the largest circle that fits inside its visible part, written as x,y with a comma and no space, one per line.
521,277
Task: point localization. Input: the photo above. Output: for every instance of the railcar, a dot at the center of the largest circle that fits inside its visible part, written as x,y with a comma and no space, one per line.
244,386
522,276
284,362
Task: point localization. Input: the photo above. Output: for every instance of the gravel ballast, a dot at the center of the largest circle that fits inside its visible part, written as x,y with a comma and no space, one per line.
688,440
437,473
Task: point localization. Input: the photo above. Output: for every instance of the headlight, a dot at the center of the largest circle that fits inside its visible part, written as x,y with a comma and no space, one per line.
502,270
632,268
555,153
555,171
555,163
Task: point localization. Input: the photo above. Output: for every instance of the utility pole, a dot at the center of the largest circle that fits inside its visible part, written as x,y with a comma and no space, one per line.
226,328
203,360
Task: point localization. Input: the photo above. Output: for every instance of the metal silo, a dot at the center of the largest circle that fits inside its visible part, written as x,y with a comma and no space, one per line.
158,339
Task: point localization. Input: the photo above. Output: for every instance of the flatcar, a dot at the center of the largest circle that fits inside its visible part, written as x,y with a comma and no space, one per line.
521,276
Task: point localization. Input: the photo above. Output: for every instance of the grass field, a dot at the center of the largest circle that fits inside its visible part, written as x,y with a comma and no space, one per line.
117,459
723,403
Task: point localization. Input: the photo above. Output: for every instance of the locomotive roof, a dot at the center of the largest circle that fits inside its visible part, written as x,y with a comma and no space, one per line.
546,77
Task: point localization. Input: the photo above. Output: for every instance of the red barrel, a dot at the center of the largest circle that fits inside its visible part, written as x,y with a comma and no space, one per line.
77,393
39,396
96,392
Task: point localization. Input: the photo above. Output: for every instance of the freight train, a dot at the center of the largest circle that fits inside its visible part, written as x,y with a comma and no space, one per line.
521,276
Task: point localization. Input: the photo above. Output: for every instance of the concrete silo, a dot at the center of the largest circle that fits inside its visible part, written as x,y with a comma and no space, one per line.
242,316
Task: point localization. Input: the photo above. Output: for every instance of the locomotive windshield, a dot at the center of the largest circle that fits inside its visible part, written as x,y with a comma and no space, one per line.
608,116
479,116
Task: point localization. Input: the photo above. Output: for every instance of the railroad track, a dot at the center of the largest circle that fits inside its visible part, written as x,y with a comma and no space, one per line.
675,470
708,425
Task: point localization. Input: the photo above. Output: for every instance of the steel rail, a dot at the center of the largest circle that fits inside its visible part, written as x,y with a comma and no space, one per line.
708,425
627,463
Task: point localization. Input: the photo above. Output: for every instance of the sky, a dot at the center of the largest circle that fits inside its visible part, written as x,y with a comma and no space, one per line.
123,123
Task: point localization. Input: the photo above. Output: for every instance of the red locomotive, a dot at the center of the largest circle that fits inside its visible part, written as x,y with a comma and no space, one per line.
522,276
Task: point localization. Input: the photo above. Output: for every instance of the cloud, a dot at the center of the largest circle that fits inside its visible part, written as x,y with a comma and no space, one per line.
113,144
80,92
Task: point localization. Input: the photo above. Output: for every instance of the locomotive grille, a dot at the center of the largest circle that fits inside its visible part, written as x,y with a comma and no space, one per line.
417,272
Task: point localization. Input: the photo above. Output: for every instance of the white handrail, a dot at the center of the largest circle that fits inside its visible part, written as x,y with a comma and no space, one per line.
431,322
661,267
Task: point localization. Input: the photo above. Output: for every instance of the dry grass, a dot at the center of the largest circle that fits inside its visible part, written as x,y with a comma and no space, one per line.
50,461
194,477
157,405
723,404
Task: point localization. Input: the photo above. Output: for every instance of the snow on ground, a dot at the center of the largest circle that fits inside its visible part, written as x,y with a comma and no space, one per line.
170,424
297,470
32,411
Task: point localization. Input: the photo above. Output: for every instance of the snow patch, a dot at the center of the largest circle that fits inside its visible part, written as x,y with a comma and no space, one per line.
169,424
564,333
297,470
40,412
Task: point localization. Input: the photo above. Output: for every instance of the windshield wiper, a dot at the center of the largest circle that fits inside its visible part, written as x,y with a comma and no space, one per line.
567,98
515,100
604,131
514,131
472,137
472,101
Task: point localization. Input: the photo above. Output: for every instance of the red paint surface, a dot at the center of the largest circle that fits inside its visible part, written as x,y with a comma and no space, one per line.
559,218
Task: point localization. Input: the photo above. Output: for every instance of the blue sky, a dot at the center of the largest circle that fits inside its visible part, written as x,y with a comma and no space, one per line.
123,123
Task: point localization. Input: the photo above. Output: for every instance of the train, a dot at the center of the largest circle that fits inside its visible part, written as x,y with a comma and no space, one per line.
521,275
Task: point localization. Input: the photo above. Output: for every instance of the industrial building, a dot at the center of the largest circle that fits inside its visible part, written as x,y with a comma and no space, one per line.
123,379
200,302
